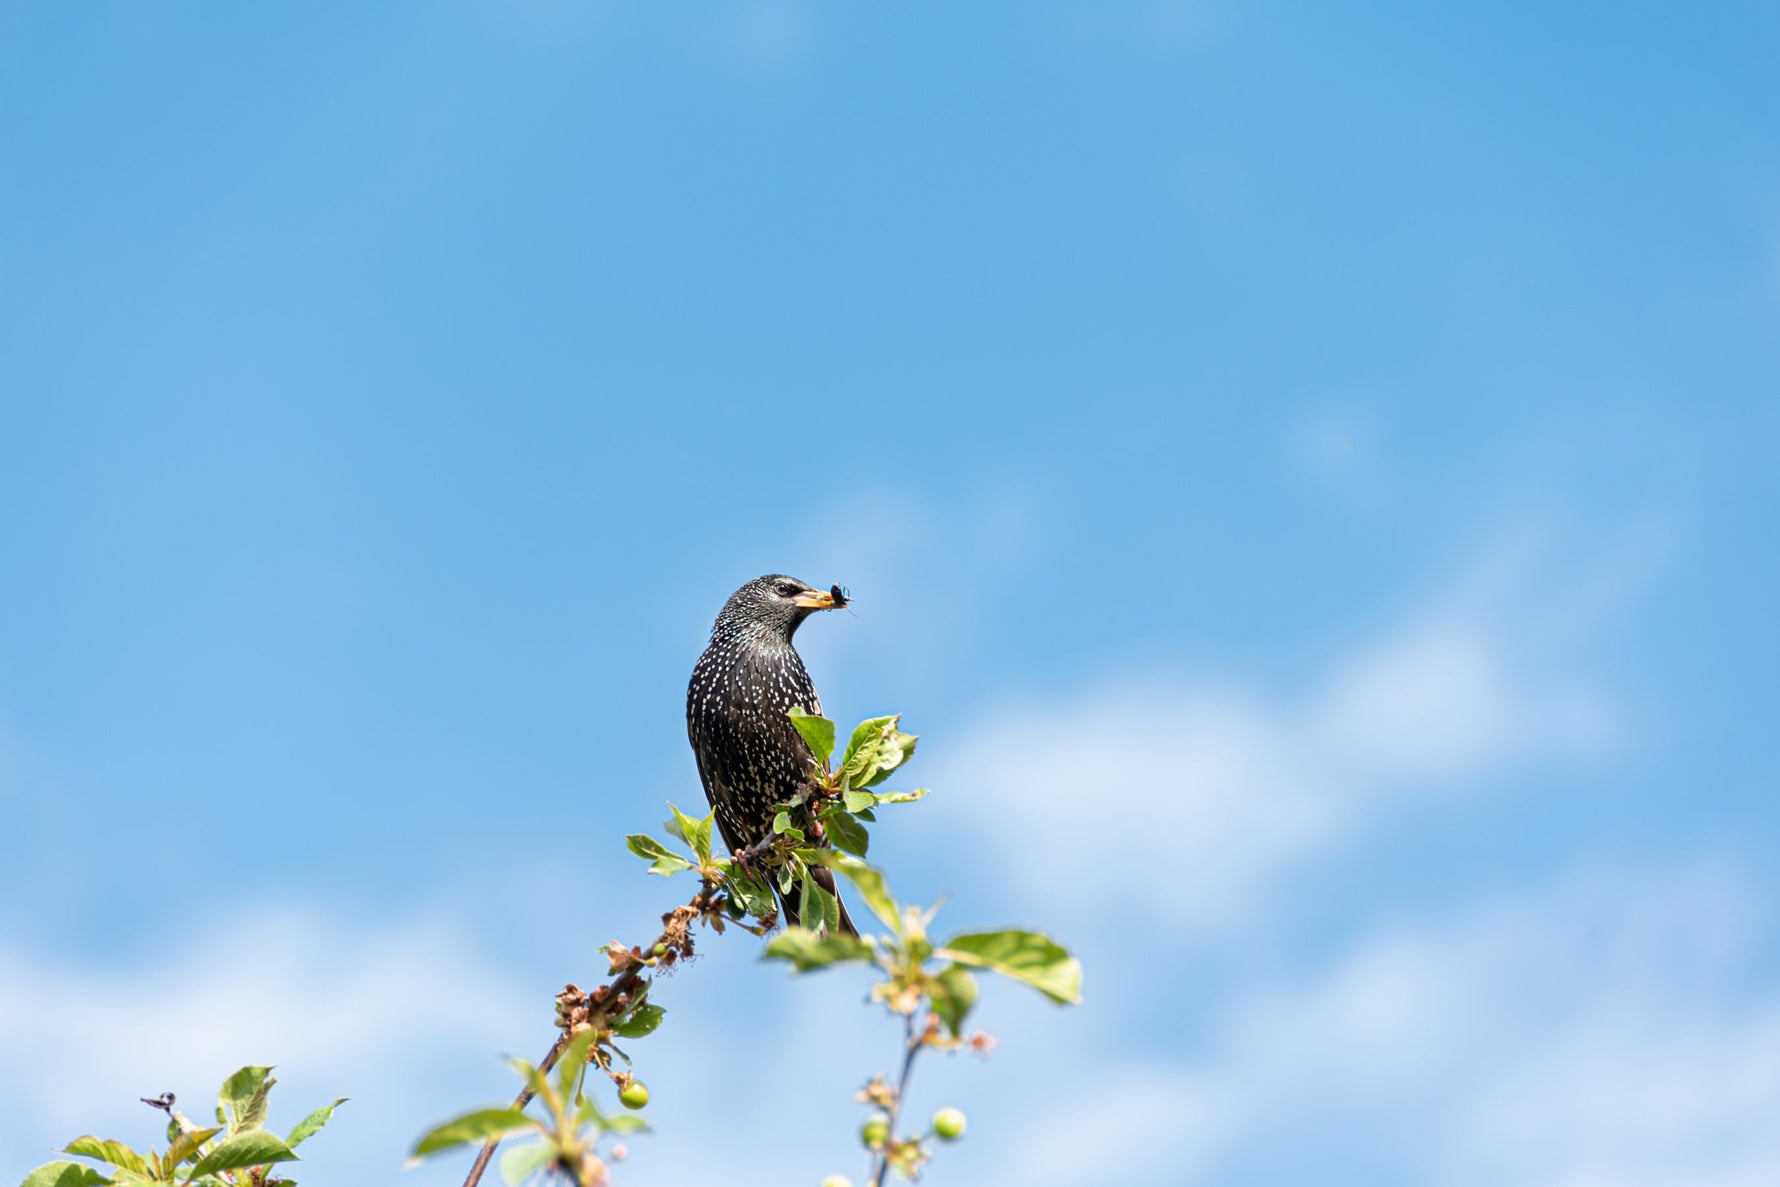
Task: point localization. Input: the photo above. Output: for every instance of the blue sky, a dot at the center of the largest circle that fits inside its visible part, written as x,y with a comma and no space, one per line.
1307,475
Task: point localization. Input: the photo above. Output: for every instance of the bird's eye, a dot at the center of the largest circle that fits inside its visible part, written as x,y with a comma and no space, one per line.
786,589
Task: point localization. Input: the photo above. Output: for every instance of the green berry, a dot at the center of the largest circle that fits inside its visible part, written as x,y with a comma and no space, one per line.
876,1132
633,1095
948,1125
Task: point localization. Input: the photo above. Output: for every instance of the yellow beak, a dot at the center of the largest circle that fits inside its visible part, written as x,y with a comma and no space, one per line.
815,599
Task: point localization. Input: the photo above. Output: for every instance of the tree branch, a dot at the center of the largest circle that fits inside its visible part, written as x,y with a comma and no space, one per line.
914,1041
576,1010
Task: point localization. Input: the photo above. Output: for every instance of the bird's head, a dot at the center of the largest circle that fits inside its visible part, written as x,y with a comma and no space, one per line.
775,605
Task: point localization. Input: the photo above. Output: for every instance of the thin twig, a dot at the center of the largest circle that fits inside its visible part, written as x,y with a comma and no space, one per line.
701,903
881,1165
519,1102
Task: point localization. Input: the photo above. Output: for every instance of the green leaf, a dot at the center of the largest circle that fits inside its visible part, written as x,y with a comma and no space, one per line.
184,1146
250,1147
696,833
642,1020
867,878
244,1096
820,910
572,1063
116,1153
477,1126
622,1123
903,797
876,748
806,950
178,1123
845,831
522,1162
666,862
862,749
818,732
953,993
533,1076
859,801
63,1173
750,890
313,1122
1023,955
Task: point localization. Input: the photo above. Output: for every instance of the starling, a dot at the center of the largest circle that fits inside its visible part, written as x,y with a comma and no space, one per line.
750,757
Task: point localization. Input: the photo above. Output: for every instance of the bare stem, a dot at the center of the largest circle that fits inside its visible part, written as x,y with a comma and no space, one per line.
912,1044
701,903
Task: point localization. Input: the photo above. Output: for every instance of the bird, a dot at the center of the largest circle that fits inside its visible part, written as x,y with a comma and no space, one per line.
750,757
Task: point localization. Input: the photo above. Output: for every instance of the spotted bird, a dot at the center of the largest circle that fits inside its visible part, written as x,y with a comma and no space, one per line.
750,757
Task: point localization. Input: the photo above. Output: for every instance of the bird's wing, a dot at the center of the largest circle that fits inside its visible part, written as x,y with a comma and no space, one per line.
717,792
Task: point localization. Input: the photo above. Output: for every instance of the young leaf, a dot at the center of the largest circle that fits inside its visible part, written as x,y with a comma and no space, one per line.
253,1115
625,1123
845,831
313,1122
818,732
643,1020
876,748
859,801
806,950
1023,955
244,1096
533,1077
749,890
820,910
696,833
522,1162
954,992
665,861
477,1126
116,1153
572,1064
250,1147
178,1123
869,881
894,749
861,756
63,1173
184,1146
903,797
590,1114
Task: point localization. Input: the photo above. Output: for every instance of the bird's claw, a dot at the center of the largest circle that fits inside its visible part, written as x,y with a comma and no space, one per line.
744,857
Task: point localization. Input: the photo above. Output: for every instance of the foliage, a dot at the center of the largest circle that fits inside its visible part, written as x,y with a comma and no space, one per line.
568,1135
238,1150
931,986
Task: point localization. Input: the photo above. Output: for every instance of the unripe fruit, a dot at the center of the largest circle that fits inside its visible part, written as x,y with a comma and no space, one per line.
948,1125
633,1095
876,1132
837,1181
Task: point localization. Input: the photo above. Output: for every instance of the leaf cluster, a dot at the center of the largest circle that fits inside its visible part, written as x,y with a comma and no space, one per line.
834,808
568,1135
238,1150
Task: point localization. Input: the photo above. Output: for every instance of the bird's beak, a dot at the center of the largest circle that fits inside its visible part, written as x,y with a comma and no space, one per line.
815,599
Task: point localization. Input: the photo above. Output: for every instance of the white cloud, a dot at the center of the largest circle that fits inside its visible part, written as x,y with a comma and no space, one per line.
365,1015
1602,1029
1472,682
1146,1124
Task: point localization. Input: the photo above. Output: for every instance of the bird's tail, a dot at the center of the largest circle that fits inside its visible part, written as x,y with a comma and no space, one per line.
825,879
